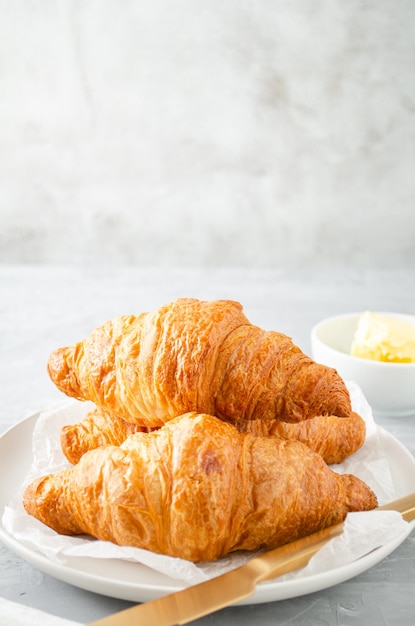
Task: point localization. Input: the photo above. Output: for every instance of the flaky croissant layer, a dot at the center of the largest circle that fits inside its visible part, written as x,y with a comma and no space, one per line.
335,439
202,356
197,489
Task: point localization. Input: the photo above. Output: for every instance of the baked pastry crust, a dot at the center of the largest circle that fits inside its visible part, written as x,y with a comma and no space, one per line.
335,439
197,489
202,356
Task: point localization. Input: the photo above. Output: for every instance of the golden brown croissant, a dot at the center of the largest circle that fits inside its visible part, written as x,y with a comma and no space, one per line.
197,489
95,430
199,356
333,438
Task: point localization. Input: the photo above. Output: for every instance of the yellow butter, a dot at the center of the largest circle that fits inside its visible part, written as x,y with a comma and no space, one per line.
383,338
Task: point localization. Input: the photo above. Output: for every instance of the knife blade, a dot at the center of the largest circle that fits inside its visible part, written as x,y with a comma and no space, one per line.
212,595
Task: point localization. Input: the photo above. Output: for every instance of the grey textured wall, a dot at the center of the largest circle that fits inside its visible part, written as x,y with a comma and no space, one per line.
265,134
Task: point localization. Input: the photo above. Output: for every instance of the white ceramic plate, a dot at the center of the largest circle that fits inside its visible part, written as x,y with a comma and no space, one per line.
138,583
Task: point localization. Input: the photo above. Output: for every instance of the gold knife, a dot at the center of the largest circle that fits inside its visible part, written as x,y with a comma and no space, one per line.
212,595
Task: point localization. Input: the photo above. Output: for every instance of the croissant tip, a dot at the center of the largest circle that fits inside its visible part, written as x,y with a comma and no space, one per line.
56,361
359,496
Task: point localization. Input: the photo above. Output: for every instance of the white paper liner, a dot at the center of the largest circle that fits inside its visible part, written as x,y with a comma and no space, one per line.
363,532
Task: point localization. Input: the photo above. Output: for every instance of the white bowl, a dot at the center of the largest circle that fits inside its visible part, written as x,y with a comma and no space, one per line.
388,387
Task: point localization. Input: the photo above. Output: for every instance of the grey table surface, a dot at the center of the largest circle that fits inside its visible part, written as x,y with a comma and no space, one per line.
42,308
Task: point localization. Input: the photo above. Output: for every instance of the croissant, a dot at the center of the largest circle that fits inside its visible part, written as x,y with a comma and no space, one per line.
95,430
197,489
333,438
202,356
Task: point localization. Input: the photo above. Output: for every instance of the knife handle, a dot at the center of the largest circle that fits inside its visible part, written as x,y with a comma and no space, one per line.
291,556
297,554
405,506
